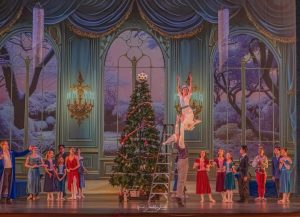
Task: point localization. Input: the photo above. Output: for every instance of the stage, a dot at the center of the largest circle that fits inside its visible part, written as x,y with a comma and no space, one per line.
108,205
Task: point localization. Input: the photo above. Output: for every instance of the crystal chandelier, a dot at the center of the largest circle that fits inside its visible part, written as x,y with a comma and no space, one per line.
80,100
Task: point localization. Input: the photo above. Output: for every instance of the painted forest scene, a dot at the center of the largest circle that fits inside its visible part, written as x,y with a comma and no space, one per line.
42,94
262,97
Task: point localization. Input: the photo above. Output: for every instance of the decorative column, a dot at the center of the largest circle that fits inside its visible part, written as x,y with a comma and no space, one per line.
26,129
133,63
243,101
297,184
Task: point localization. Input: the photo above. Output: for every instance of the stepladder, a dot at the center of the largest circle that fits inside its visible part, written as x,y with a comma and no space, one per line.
161,177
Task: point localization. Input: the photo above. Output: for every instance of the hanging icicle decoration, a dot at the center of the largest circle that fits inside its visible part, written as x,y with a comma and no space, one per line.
37,34
223,33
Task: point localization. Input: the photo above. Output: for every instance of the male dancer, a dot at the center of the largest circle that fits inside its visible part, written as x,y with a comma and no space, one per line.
243,175
275,168
8,177
182,163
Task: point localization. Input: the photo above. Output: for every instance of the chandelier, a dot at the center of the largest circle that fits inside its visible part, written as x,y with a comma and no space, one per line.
80,100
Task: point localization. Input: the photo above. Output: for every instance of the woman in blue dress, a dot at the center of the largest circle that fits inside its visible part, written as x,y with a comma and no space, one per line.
34,162
229,184
81,171
285,176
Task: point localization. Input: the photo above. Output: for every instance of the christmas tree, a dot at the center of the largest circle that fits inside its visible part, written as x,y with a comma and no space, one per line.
139,142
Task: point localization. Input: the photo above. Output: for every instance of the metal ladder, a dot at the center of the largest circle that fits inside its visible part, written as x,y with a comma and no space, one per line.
162,173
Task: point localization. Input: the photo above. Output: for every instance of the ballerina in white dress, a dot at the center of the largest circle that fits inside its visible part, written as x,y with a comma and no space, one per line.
187,115
187,121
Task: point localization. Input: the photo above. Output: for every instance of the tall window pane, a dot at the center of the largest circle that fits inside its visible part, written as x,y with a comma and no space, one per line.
132,52
261,97
42,101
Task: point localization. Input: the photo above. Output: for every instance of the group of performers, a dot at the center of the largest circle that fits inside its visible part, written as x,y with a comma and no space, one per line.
70,167
63,167
226,169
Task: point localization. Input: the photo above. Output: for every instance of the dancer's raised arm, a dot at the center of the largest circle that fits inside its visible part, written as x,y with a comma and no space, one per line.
178,85
190,84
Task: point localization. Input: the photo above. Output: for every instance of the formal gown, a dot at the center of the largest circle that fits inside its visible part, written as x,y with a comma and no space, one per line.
34,182
81,174
49,184
285,179
220,175
73,174
202,184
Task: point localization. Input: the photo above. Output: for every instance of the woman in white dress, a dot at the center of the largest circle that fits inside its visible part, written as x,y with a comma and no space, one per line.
187,115
187,120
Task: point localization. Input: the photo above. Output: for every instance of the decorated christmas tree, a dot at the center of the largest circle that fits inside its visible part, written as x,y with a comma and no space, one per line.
139,142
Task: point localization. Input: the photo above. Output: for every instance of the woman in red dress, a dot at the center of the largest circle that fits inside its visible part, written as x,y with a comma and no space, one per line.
202,186
72,165
219,163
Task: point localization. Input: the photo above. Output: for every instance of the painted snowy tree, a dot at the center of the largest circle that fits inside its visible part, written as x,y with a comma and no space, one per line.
139,142
9,79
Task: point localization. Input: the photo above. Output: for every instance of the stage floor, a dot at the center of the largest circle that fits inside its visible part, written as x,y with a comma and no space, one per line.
108,205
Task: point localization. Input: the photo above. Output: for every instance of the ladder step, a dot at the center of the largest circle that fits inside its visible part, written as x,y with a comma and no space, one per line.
160,193
163,158
160,183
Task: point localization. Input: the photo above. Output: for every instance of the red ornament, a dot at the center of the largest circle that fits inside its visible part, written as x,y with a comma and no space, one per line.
146,142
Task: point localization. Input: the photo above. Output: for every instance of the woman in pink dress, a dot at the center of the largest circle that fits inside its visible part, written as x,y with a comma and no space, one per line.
202,184
219,163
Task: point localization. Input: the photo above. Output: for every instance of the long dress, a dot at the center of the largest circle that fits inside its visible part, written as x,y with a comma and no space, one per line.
60,186
189,122
220,175
73,173
285,179
34,182
81,173
49,184
229,183
202,183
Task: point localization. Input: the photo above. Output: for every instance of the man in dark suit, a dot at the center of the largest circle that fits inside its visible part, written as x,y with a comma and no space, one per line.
243,180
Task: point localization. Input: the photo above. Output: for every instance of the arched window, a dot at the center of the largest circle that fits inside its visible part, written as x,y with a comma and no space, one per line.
259,123
42,99
132,52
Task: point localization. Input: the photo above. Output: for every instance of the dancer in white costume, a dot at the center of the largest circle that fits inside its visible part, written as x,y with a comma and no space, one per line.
175,137
188,121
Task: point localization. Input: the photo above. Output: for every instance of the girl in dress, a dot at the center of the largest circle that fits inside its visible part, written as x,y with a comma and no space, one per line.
60,175
33,162
50,174
219,163
202,184
81,171
229,184
260,163
285,176
72,165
